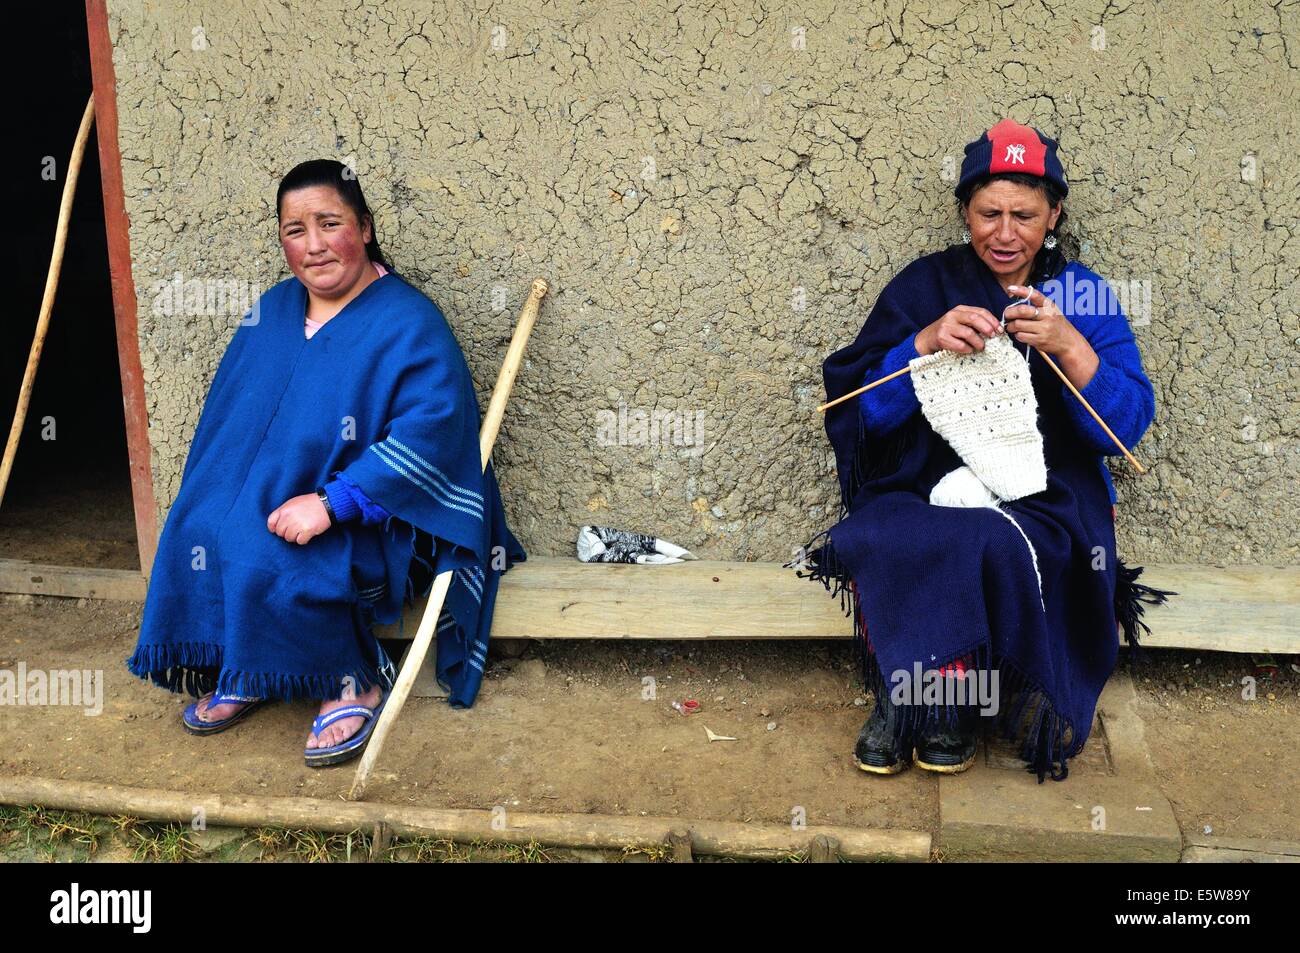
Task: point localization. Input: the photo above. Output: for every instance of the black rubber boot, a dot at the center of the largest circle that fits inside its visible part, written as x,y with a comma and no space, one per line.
949,749
876,750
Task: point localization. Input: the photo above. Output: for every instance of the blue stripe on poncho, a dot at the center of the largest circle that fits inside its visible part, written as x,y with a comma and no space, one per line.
380,396
930,584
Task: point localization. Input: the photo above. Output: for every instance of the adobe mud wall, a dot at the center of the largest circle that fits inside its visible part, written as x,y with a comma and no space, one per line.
717,194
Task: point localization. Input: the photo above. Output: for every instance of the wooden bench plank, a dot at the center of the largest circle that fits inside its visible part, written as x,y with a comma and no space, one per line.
560,598
1225,609
86,582
1233,609
1228,609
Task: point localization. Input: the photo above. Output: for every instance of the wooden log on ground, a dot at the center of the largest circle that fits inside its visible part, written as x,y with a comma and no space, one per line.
600,831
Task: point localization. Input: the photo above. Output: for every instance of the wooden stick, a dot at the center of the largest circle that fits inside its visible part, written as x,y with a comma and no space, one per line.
862,390
51,286
433,608
1088,407
465,826
1050,363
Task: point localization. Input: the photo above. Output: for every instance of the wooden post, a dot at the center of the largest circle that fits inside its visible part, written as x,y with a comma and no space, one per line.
824,849
125,319
679,841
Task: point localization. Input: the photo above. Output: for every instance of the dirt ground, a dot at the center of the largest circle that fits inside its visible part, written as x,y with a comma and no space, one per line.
565,728
1225,763
71,519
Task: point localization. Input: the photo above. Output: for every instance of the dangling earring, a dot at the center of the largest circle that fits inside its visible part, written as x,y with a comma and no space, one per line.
1049,242
965,236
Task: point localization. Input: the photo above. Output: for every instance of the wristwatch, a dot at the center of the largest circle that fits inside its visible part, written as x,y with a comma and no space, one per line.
325,498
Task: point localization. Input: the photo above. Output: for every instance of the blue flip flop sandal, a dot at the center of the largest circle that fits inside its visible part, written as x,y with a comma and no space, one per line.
195,726
352,747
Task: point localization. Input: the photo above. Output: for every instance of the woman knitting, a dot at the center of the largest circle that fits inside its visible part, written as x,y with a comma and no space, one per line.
1021,592
337,452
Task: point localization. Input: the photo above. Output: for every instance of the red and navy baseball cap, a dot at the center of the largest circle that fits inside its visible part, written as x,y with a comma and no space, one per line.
1011,147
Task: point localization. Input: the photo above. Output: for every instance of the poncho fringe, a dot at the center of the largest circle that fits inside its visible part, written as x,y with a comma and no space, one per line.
192,667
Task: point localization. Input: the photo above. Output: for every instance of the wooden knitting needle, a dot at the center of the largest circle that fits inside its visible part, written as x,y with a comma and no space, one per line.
433,608
1050,363
862,390
1088,407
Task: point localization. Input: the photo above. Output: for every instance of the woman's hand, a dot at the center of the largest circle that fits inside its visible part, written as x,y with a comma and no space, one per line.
299,519
1041,324
959,330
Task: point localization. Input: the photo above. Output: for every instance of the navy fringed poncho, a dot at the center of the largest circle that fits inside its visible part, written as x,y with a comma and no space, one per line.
380,396
930,585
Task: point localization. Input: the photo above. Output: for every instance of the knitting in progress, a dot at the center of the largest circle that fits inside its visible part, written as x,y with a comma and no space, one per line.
983,405
933,582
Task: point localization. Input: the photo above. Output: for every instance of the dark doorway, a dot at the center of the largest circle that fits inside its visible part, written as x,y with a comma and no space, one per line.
68,502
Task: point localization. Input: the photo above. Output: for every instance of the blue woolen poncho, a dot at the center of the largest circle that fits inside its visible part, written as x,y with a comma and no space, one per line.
930,585
382,396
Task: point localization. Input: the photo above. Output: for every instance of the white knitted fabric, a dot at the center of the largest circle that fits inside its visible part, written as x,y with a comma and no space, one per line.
961,487
983,404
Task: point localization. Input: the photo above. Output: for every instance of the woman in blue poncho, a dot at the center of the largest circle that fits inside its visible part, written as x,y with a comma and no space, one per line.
1027,594
334,471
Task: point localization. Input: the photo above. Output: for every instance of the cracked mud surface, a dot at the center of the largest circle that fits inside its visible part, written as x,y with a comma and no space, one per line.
717,210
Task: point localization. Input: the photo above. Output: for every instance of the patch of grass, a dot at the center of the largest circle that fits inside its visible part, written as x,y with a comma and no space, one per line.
658,853
435,850
8,817
318,847
161,843
271,840
530,853
312,847
51,832
441,850
123,825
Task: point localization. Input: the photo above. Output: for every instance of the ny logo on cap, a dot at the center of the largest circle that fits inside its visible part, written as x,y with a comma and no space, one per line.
1015,154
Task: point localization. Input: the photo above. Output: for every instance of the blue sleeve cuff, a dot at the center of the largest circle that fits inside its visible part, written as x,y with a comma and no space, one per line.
369,511
345,507
887,407
901,354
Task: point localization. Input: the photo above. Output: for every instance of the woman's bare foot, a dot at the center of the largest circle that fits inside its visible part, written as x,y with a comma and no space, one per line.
207,712
345,728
